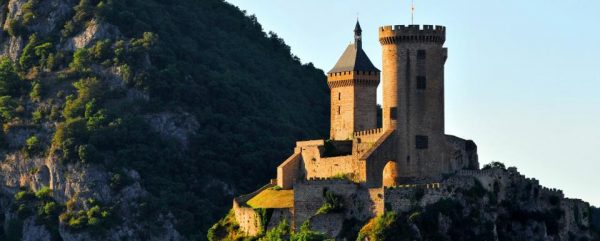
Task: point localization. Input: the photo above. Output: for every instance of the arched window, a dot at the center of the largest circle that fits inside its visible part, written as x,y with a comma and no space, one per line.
339,95
339,109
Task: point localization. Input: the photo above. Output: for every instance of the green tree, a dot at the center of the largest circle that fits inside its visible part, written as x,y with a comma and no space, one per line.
32,145
10,82
36,92
7,108
81,59
88,90
28,57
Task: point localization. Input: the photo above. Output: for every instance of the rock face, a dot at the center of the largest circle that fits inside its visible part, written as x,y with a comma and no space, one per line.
95,30
69,183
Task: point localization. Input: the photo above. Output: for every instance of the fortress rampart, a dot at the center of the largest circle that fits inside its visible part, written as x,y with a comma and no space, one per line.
248,220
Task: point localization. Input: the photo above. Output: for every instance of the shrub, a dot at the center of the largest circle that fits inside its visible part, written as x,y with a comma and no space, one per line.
88,90
118,181
101,50
43,52
23,196
225,229
88,154
494,164
279,233
333,203
305,234
95,218
37,116
7,109
36,92
32,146
16,28
29,11
82,59
27,58
77,223
50,209
45,193
384,227
10,82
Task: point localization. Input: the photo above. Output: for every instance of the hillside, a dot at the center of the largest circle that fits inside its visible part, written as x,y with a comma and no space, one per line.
140,119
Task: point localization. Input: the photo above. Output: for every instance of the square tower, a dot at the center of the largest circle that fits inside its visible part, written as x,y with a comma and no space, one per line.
353,83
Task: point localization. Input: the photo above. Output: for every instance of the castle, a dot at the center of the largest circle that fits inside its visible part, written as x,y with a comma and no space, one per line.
361,160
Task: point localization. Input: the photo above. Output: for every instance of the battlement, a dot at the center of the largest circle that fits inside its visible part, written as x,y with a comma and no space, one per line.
412,34
356,72
349,78
436,185
368,132
478,173
328,181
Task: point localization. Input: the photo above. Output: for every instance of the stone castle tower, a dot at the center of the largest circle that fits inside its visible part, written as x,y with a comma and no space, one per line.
413,96
407,164
411,146
369,166
353,83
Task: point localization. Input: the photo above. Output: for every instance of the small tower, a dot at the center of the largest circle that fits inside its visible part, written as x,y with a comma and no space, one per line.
353,83
413,95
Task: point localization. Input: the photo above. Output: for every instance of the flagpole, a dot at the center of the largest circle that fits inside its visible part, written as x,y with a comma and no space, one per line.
412,12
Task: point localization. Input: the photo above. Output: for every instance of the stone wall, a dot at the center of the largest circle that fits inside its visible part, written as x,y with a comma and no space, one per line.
461,154
289,171
247,218
342,113
332,166
382,152
405,197
329,224
279,215
308,198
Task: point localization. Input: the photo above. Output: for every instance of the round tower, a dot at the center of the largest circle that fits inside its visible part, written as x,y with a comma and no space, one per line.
353,83
413,95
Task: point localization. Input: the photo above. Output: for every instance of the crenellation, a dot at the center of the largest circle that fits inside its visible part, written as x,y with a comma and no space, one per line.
368,132
412,33
435,185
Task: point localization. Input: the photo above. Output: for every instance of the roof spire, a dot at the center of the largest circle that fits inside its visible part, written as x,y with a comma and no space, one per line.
357,35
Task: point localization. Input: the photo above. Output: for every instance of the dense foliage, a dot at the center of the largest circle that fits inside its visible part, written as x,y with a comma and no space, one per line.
248,96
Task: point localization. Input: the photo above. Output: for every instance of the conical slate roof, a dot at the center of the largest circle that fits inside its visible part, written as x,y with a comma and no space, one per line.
353,59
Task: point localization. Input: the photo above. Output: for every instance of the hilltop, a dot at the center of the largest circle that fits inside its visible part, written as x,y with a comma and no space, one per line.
405,179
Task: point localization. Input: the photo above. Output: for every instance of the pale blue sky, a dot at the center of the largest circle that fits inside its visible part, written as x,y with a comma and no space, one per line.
522,77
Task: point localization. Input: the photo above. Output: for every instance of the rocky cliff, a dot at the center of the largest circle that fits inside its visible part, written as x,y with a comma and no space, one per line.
133,120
